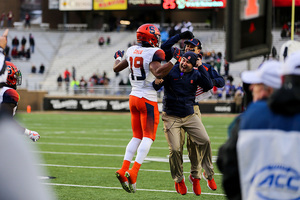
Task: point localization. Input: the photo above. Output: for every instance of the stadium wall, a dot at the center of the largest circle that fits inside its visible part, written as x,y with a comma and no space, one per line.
40,100
120,104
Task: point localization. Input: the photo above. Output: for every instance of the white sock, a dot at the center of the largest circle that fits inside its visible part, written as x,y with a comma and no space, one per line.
131,148
143,150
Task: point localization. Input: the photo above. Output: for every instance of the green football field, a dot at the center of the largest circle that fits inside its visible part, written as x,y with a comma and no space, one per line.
83,151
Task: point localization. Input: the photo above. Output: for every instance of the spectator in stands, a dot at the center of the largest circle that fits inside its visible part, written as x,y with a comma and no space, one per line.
33,69
229,89
14,53
103,80
23,43
218,62
101,41
31,42
27,20
83,85
42,69
226,67
67,82
75,86
285,31
73,73
2,18
59,82
238,99
108,40
27,54
21,53
15,42
10,17
67,75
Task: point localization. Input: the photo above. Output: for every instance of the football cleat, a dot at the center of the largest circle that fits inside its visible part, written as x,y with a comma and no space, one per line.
211,184
196,185
176,188
182,187
131,176
123,180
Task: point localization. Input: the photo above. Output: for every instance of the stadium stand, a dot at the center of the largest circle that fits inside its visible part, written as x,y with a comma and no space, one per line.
59,50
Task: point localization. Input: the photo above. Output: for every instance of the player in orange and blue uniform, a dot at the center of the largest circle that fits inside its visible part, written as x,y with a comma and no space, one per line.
144,62
9,97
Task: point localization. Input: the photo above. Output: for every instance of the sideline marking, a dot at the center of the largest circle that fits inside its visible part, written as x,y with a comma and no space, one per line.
117,188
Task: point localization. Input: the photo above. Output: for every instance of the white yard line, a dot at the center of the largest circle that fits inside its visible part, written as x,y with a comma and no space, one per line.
110,168
119,188
98,145
116,139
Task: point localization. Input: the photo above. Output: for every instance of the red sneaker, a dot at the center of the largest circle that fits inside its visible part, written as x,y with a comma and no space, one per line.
211,184
120,174
131,176
176,188
182,187
196,185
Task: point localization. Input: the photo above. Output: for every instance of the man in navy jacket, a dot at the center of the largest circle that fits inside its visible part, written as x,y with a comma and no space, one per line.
180,87
195,45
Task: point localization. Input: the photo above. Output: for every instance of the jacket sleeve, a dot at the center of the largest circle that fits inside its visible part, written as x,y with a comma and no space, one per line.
228,164
205,81
167,46
157,86
217,79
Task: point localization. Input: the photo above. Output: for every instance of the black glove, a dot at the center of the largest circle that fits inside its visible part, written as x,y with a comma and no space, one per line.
176,53
186,35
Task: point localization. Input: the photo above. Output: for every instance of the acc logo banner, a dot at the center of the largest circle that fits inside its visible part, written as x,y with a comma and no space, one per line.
277,183
110,4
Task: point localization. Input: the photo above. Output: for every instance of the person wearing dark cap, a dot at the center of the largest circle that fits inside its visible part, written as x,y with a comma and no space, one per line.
260,160
195,45
180,87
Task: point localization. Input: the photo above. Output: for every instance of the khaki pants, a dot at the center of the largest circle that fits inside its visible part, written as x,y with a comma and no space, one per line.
194,155
194,127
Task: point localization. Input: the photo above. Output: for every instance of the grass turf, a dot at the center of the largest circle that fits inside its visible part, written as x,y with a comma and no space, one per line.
83,151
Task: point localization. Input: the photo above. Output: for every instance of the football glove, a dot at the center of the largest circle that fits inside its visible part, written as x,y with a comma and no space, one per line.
176,53
186,35
33,135
119,54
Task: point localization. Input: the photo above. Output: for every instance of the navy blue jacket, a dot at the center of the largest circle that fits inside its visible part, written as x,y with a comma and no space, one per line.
217,79
167,46
180,90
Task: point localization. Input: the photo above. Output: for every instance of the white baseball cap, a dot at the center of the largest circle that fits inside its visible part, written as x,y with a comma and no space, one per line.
268,73
291,66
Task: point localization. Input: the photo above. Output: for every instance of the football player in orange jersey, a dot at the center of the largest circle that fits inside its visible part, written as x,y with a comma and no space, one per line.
9,97
144,62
